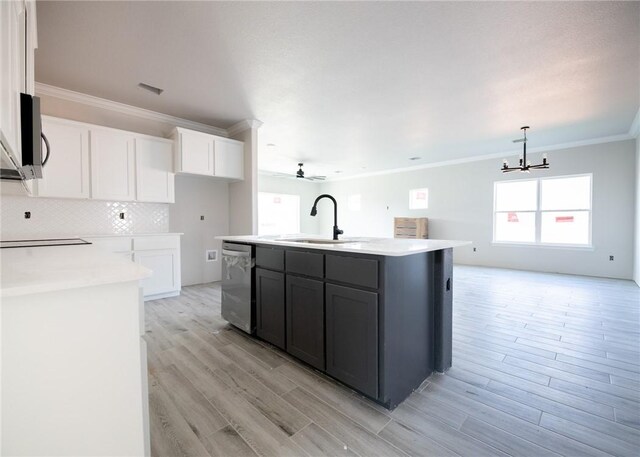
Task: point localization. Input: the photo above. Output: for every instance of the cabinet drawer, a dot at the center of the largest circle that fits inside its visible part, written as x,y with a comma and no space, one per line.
115,244
148,243
270,258
305,263
352,270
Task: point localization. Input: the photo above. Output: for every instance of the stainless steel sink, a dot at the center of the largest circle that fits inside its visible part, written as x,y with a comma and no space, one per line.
313,240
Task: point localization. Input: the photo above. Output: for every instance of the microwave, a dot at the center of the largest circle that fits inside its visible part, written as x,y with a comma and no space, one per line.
32,140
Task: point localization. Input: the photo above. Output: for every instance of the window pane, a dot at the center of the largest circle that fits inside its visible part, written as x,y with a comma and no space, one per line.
517,196
278,214
516,226
419,198
565,227
566,193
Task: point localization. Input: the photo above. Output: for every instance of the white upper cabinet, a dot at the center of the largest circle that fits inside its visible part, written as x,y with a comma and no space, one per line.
229,158
210,155
112,165
154,170
66,173
13,71
194,152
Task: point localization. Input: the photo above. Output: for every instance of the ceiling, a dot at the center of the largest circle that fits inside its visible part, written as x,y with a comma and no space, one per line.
359,86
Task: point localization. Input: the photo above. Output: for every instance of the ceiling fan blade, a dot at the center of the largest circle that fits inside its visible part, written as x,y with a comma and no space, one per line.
520,140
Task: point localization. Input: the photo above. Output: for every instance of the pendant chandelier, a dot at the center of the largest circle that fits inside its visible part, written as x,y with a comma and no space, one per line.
524,164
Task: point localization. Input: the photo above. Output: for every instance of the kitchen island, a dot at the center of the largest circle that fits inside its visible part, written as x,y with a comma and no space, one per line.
373,313
74,371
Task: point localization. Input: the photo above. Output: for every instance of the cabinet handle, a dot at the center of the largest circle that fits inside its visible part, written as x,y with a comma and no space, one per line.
448,284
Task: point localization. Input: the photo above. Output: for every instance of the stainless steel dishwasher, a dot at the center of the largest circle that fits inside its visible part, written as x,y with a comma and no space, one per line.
238,261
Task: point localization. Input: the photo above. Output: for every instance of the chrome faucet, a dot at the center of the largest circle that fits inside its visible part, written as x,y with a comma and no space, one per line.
314,211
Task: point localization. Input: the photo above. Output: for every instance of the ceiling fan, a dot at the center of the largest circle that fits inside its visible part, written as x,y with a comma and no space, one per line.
300,174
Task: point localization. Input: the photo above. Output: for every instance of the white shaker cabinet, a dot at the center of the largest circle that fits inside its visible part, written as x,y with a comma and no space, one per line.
164,263
160,254
13,72
194,152
154,170
203,154
112,165
229,158
66,174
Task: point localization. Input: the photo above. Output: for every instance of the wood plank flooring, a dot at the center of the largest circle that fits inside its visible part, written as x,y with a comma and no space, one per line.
544,365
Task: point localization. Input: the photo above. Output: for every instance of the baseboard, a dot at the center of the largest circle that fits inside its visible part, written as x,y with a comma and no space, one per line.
173,293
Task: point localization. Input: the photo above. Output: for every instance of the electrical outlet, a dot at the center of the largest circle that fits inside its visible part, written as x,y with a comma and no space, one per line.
27,214
211,255
610,258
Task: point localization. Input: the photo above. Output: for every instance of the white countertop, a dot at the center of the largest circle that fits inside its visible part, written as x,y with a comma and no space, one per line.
375,246
57,236
44,269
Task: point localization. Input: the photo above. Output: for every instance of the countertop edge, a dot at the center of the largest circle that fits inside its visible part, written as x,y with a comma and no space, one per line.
429,245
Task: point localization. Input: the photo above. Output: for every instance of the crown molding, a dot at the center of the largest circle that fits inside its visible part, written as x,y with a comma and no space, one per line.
96,102
495,155
243,125
634,130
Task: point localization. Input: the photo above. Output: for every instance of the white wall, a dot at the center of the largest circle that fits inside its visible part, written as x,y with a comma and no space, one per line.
195,197
461,207
306,190
636,267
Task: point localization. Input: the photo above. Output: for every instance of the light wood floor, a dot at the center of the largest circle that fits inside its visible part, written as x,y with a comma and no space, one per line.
543,365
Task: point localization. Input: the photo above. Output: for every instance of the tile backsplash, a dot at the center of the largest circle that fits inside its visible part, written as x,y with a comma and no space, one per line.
62,217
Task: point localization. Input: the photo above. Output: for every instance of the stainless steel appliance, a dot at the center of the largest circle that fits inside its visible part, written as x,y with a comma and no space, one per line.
32,139
238,308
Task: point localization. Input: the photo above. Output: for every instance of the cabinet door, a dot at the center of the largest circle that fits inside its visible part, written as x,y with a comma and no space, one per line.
305,320
12,74
270,307
112,165
66,174
352,337
196,153
154,171
229,159
165,265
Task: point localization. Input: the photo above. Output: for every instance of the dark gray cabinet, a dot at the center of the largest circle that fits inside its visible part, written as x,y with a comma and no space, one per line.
352,337
305,320
379,324
270,306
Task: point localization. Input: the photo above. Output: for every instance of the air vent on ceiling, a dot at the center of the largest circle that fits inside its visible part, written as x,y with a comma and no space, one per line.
155,90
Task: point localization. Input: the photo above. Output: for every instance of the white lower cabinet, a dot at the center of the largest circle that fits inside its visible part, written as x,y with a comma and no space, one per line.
159,253
165,264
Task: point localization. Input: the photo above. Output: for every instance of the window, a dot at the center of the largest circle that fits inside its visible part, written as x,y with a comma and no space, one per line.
354,202
548,211
419,198
278,214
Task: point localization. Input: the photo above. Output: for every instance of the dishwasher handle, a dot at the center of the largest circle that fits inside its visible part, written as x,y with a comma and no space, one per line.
236,253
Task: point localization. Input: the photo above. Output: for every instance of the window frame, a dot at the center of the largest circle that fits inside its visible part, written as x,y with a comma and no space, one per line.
538,215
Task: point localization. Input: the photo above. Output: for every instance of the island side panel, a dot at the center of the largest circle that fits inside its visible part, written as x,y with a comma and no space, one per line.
407,325
443,309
